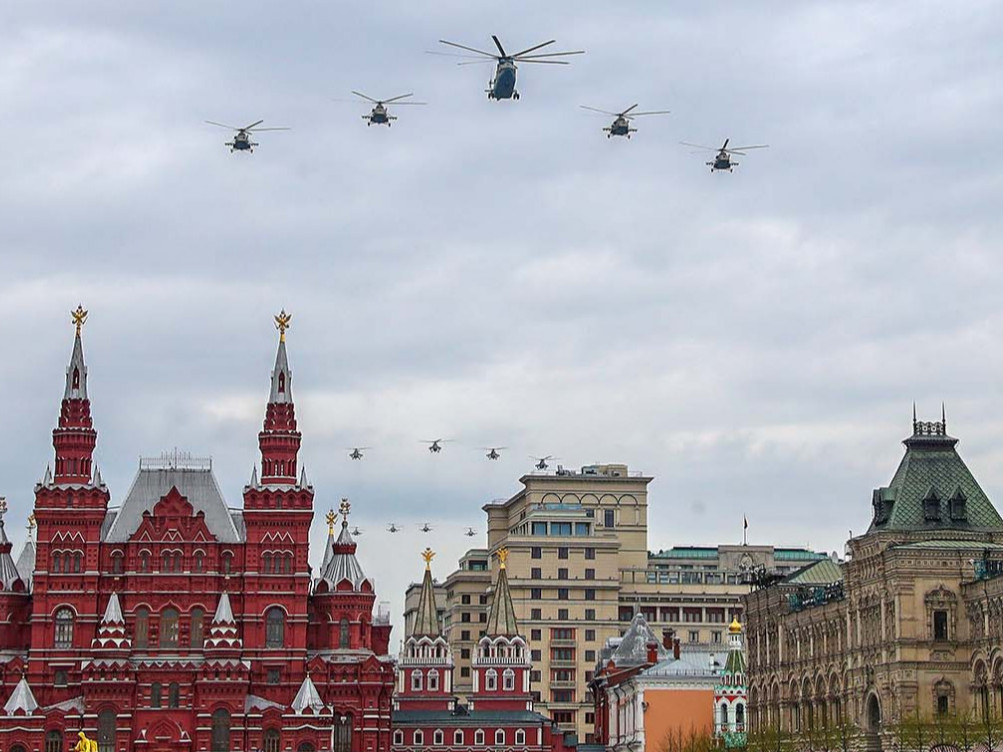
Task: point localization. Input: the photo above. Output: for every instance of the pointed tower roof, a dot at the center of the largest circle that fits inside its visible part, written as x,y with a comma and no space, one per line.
307,698
282,377
633,647
501,616
111,631
26,558
22,699
329,548
76,371
113,611
9,577
341,563
223,633
735,663
427,620
224,614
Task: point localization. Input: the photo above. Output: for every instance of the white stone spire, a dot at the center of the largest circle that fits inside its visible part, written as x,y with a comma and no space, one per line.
308,698
22,699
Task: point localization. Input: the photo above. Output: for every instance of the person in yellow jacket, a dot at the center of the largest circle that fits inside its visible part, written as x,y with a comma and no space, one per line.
84,744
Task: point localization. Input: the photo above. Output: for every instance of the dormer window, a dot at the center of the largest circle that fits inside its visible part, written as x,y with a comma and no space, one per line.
491,680
282,382
959,506
76,378
931,507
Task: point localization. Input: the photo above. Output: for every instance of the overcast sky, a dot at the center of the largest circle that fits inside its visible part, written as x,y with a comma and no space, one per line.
501,272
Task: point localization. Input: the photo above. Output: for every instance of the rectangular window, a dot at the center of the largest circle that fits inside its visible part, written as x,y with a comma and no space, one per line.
609,518
536,634
589,675
60,678
562,553
536,552
534,676
465,634
562,594
562,633
562,695
562,573
539,528
590,718
581,528
465,672
940,625
536,655
562,614
562,654
483,600
465,617
590,573
562,529
563,717
274,676
590,656
465,600
536,573
536,614
590,553
715,637
482,617
562,674
590,594
694,636
590,614
465,653
536,593
590,635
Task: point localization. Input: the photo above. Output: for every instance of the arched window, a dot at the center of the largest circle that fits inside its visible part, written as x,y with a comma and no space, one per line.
18,748
156,695
343,734
117,566
344,639
227,562
144,561
438,738
77,558
173,695
169,628
458,737
221,730
433,681
724,715
416,680
479,738
508,680
53,741
198,563
282,382
398,737
306,747
266,563
142,638
499,736
419,737
178,563
198,627
57,563
740,714
520,737
64,628
76,378
490,680
272,740
275,627
287,563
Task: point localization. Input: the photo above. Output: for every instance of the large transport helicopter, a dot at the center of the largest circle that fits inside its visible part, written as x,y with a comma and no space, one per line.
621,122
502,86
723,159
379,114
242,138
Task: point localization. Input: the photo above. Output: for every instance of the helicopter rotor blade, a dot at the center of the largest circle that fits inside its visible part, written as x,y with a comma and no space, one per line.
400,96
400,104
601,112
364,96
475,62
529,58
469,49
628,110
259,130
699,146
651,112
454,54
547,62
743,148
248,127
544,44
498,44
221,125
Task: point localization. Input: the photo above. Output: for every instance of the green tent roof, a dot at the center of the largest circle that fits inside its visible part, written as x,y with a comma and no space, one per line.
821,572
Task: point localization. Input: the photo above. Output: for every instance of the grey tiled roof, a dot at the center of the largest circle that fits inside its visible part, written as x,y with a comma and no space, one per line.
281,366
633,647
76,362
8,571
342,564
26,562
932,466
152,484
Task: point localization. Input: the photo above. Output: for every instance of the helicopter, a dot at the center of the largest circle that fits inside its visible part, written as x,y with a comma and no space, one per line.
242,140
435,445
502,86
541,462
621,124
493,452
470,532
426,528
392,528
357,452
722,160
379,115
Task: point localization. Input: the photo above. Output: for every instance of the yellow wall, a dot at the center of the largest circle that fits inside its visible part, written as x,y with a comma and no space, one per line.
674,711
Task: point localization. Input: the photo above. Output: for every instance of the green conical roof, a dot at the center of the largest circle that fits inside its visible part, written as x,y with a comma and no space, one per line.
933,489
501,617
426,622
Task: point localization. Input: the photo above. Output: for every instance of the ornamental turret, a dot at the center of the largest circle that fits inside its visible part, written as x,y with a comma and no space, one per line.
279,440
425,668
74,438
730,695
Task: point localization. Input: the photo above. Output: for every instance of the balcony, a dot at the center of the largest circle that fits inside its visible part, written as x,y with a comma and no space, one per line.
562,643
563,663
563,685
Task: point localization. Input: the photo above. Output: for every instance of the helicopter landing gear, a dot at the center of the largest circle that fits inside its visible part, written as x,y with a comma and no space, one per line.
515,95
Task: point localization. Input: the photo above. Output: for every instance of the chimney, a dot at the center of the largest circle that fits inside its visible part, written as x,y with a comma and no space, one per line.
667,638
675,648
652,652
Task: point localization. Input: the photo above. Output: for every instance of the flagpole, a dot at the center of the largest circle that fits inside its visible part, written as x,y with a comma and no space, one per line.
745,530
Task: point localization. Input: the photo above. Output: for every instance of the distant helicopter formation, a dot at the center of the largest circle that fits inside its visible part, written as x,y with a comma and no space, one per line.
502,86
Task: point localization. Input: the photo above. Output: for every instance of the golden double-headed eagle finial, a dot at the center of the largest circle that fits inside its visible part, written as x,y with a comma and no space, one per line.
3,506
331,517
428,554
502,557
78,318
345,508
282,323
31,520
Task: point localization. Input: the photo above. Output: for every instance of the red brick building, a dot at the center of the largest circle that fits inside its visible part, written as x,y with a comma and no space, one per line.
172,621
499,714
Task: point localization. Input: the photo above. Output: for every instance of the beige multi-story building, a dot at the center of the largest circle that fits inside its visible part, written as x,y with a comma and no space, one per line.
578,570
908,627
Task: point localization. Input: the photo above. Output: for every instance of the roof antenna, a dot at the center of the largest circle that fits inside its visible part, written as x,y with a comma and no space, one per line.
943,416
914,416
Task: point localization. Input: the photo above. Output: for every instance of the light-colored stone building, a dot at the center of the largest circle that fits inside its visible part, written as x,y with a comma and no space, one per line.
909,624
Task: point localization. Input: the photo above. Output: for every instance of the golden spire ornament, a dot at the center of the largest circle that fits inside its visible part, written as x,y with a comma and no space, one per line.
502,557
31,520
428,554
3,505
345,508
331,517
282,323
78,318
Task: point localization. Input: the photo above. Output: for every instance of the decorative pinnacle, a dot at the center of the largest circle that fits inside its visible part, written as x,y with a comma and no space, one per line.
31,520
3,506
502,557
345,508
282,323
331,517
78,317
428,554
